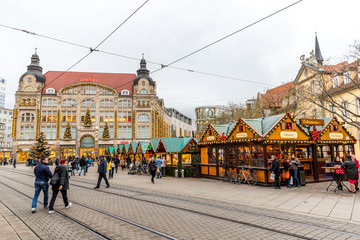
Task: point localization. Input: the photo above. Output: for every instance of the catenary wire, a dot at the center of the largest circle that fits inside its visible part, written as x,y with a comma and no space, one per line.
231,34
95,49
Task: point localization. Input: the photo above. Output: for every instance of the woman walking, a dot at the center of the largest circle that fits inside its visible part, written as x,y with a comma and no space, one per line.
122,163
62,185
152,167
351,172
110,167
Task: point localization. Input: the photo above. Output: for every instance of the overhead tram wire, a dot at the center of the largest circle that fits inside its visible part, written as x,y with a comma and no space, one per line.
223,38
96,48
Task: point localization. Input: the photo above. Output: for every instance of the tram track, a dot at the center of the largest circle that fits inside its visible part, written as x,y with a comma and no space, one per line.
246,223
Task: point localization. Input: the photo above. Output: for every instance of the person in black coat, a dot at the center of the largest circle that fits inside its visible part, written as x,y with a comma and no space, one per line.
351,172
62,186
338,176
152,168
102,169
275,168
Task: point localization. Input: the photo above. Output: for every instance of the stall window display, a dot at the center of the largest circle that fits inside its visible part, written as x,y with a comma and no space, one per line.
186,158
174,159
212,156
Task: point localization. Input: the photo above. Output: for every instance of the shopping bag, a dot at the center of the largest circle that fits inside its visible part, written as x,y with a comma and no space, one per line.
291,181
286,175
272,176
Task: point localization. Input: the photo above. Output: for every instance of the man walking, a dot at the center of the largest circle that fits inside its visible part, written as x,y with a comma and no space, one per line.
102,169
275,168
42,175
83,165
158,165
163,167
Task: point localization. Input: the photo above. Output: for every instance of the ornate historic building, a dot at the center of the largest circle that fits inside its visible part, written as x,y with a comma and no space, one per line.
84,113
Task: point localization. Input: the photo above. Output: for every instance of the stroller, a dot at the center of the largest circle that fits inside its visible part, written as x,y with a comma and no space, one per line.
132,169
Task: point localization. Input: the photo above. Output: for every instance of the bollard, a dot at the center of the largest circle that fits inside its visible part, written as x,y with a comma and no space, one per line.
176,173
182,173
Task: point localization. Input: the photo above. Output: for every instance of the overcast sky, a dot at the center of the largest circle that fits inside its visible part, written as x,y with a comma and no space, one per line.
166,30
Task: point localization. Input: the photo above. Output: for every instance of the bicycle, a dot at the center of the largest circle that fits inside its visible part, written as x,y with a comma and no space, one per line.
225,176
247,177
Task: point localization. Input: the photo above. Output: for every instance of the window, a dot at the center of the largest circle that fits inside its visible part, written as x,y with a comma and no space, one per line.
29,79
68,102
27,117
241,128
143,83
143,91
50,132
335,81
314,113
49,102
92,115
49,116
124,116
68,116
358,105
88,89
105,91
125,92
106,103
291,100
345,106
143,118
124,132
50,90
106,116
334,128
5,112
347,77
332,110
288,126
143,132
125,104
88,103
284,102
27,132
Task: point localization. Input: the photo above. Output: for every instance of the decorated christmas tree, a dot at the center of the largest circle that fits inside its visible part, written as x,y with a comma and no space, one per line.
67,133
106,134
40,149
118,151
87,120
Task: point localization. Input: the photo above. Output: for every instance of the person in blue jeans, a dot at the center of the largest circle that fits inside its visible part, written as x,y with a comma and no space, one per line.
42,176
158,164
294,170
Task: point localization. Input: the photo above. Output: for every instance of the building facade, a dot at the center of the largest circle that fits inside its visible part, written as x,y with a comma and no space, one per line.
206,115
122,108
2,92
5,133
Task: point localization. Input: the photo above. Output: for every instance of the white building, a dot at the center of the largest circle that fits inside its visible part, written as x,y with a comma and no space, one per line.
2,92
5,133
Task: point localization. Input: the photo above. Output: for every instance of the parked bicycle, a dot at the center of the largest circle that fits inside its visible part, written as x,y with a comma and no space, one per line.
225,176
245,176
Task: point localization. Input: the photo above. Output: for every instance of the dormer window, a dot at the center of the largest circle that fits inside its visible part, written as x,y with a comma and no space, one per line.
347,77
335,81
125,92
50,90
29,79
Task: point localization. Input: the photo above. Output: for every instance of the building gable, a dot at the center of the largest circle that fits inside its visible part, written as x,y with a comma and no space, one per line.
242,131
334,131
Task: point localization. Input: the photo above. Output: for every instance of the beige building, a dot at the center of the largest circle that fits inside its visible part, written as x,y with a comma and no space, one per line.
124,104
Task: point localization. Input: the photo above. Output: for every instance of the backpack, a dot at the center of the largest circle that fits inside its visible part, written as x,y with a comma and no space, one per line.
55,180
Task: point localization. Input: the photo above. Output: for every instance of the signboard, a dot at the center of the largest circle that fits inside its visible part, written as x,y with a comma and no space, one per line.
336,135
88,80
308,121
210,138
241,135
288,134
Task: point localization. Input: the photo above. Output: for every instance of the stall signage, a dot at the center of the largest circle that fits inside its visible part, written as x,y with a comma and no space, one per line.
210,138
25,142
288,134
241,135
336,136
308,121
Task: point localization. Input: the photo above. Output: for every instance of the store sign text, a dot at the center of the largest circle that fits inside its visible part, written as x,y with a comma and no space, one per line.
241,135
288,134
210,138
336,136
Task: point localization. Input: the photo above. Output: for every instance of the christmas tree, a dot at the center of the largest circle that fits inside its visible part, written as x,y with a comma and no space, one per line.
40,149
87,120
106,134
67,133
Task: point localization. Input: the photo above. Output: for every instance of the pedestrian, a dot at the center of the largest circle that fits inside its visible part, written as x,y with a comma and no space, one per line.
109,167
128,161
122,163
77,161
62,186
102,168
158,165
275,168
152,168
351,172
57,161
117,161
14,163
286,174
339,172
82,165
357,168
73,166
42,175
163,167
113,166
294,170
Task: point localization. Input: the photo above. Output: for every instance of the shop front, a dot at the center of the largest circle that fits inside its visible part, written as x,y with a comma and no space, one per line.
87,146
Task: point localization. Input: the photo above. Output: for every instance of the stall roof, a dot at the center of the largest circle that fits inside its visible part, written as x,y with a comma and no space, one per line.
134,146
263,125
127,146
174,144
144,146
121,146
223,128
154,144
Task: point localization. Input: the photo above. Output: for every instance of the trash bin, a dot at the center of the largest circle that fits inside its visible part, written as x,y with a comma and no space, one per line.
182,173
176,173
301,176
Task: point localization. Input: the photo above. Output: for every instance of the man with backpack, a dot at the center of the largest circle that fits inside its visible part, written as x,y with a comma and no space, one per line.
42,175
83,165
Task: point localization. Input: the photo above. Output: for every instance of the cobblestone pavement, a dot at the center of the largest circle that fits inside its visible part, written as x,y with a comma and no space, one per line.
179,216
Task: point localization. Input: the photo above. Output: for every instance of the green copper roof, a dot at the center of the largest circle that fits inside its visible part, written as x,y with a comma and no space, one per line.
134,146
224,128
174,145
121,146
111,150
127,146
144,146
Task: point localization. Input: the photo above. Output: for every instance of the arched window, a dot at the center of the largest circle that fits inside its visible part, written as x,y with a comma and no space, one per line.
106,103
125,104
88,89
143,91
143,118
68,102
27,117
88,103
49,102
50,90
125,92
